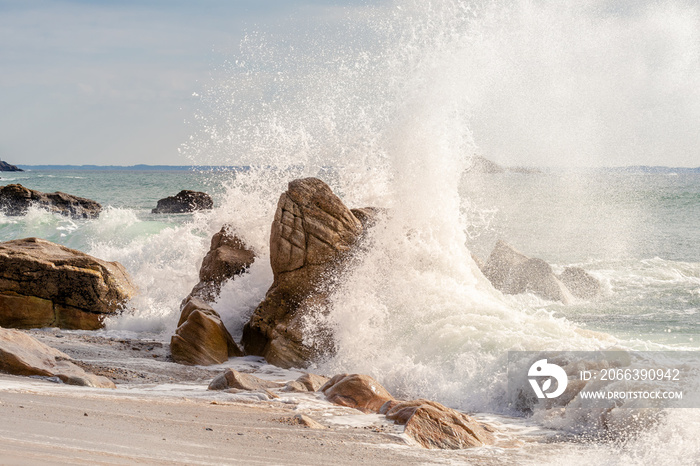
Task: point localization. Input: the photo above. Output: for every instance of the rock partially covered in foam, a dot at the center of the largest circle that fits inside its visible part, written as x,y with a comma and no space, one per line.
357,391
232,379
184,201
15,199
512,272
311,235
433,425
43,284
581,284
201,337
20,354
227,258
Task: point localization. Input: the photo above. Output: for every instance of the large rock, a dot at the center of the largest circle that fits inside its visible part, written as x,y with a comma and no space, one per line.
433,425
15,199
201,337
184,201
512,272
357,391
6,167
238,380
581,284
227,258
311,234
43,284
20,354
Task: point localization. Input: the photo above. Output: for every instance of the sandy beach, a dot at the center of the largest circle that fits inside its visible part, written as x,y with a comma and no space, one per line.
162,413
40,426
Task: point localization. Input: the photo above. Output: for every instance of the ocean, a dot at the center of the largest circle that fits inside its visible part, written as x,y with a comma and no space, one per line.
391,119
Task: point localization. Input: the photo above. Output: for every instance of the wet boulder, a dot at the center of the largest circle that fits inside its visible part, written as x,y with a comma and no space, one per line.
312,232
581,284
357,391
232,379
201,337
43,284
15,199
227,258
183,202
433,425
20,354
512,272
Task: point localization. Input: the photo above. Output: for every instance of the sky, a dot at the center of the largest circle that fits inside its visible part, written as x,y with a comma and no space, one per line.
117,82
111,82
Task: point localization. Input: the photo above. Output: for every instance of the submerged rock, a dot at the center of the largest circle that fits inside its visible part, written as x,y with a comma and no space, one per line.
581,284
357,391
512,272
311,235
15,199
227,258
238,380
43,284
184,201
433,425
6,167
20,354
201,337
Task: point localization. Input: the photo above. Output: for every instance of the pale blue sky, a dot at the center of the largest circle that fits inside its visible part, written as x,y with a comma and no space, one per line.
604,82
112,82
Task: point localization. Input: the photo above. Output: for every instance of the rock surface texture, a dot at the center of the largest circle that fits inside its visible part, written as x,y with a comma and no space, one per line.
357,391
15,199
201,338
312,233
238,380
184,201
20,354
43,284
433,425
227,258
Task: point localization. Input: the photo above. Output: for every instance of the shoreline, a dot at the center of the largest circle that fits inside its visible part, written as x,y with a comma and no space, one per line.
162,412
47,423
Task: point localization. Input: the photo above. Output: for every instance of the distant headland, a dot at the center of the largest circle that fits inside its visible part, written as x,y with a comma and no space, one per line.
6,167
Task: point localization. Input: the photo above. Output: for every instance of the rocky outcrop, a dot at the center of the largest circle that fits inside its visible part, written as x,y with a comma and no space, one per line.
231,379
227,258
581,284
43,284
312,233
433,425
184,201
20,354
6,167
357,391
512,272
201,337
15,199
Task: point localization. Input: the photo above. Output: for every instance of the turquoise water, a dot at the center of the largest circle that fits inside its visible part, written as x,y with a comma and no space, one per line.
635,233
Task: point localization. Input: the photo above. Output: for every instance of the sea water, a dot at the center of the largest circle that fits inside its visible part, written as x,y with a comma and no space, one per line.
388,107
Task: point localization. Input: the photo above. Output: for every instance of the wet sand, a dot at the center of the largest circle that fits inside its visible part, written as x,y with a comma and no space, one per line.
162,413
